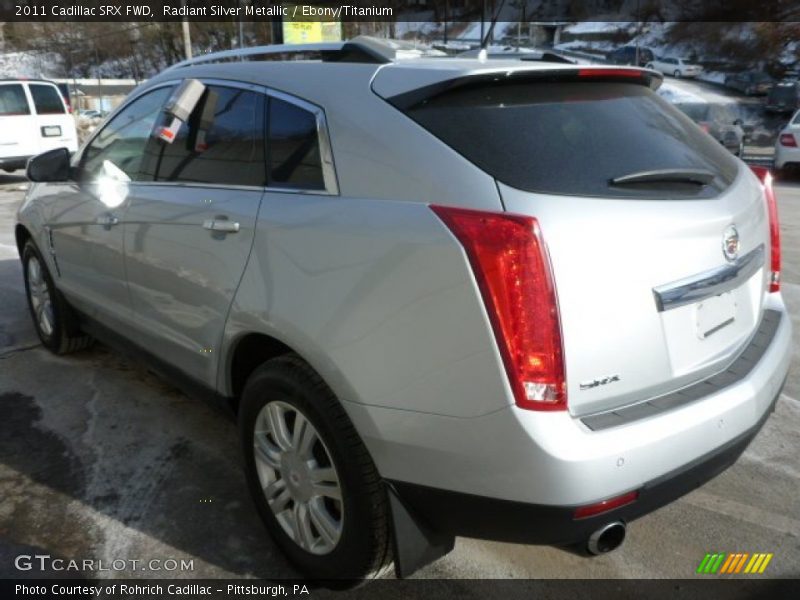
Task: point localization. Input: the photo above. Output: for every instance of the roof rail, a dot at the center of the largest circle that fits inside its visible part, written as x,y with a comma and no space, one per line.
363,49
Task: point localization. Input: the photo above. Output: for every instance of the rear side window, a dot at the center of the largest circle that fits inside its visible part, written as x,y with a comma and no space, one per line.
573,138
222,143
13,101
47,99
294,153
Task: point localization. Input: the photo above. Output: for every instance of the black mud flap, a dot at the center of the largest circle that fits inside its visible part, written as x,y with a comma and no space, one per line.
416,544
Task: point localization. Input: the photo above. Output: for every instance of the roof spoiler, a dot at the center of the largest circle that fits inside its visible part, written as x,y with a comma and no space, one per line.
645,77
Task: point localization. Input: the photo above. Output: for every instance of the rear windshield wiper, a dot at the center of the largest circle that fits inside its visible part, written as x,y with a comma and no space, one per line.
656,176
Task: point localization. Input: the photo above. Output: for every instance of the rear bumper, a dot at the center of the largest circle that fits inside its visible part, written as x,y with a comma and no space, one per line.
480,517
785,156
554,461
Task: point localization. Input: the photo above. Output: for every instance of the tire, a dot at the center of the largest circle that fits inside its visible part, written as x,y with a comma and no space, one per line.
342,541
54,320
649,66
677,74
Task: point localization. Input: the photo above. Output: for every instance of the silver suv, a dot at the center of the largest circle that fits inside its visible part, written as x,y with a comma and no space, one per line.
514,300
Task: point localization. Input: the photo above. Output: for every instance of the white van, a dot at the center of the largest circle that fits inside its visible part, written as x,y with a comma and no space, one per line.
34,118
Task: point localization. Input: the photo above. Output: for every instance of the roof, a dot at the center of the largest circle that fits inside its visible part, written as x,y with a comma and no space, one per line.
389,68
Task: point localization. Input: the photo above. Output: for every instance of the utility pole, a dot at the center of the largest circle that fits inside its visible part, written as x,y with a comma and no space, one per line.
187,38
483,16
241,30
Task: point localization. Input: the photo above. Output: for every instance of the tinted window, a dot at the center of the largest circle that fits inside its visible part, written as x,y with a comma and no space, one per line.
573,137
222,143
47,99
122,141
293,147
13,100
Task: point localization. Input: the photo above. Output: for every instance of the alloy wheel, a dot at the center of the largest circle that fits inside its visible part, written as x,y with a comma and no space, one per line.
298,477
40,299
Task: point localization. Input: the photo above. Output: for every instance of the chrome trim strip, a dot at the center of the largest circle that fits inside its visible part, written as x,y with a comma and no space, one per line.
709,283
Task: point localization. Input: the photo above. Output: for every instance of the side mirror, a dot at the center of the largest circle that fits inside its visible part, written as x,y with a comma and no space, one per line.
53,165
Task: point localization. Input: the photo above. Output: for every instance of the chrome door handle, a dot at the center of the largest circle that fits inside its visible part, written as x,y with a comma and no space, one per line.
107,220
221,225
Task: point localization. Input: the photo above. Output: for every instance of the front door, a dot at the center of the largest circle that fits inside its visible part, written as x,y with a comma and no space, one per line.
188,234
86,215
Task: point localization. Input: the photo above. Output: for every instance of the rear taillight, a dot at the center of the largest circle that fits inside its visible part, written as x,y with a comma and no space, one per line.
774,227
512,267
787,139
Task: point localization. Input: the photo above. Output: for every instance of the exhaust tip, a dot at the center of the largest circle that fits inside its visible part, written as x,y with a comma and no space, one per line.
607,538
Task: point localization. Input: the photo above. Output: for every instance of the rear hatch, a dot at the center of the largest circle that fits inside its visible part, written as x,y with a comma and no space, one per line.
658,237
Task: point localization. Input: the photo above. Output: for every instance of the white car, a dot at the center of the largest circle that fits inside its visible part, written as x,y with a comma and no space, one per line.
677,67
34,118
787,151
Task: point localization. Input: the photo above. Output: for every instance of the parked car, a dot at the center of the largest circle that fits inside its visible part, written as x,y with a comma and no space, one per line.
90,114
626,55
414,319
719,121
750,83
784,97
677,67
33,119
787,152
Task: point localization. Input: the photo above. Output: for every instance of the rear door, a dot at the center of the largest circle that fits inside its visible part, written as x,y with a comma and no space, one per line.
622,249
53,125
188,234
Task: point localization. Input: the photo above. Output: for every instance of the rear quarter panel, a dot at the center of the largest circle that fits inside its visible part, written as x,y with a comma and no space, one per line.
377,297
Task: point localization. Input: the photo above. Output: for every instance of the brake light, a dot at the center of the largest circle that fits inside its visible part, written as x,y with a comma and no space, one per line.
774,227
610,73
511,264
787,139
606,505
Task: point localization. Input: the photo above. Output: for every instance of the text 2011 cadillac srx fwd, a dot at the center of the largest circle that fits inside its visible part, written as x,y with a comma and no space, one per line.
515,300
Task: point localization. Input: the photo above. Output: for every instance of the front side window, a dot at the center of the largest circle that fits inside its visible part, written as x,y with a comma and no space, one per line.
120,146
13,101
221,143
47,99
294,151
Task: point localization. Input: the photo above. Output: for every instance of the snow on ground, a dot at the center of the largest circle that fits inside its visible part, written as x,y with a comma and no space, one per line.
501,30
423,24
30,64
713,77
678,95
685,91
585,27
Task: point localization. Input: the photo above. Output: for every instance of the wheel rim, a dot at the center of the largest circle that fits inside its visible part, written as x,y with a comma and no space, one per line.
298,477
39,295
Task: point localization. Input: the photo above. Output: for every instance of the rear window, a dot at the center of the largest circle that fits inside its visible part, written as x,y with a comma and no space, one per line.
47,99
572,138
13,100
